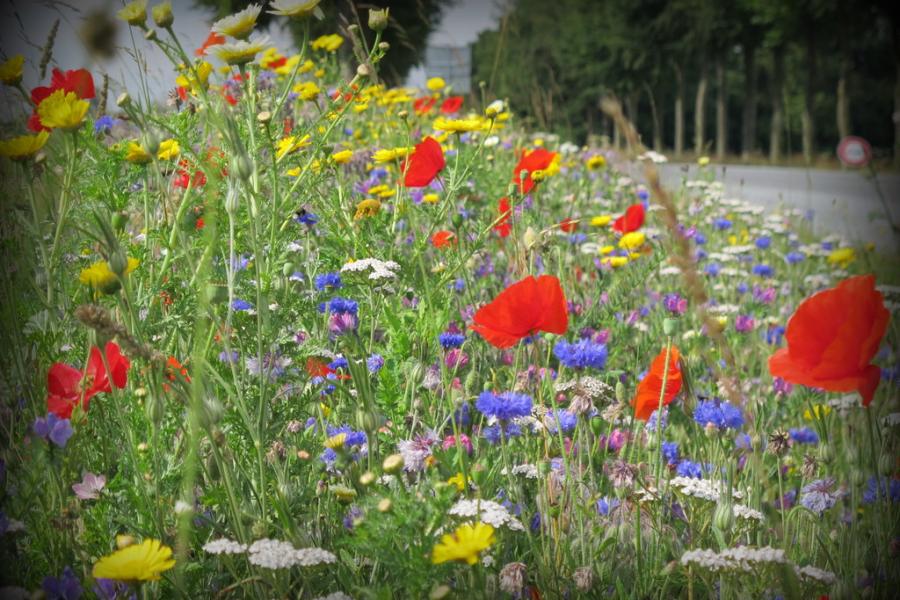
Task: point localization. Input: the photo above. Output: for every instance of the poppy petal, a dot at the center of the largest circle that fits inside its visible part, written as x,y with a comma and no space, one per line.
423,165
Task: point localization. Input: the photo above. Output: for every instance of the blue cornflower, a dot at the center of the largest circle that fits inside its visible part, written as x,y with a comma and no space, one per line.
721,414
743,288
819,496
104,124
53,429
374,363
451,340
763,242
229,357
567,421
827,246
722,224
338,363
774,334
462,416
306,218
240,305
338,306
699,239
803,435
794,257
651,422
328,281
495,433
354,438
687,468
670,452
606,504
505,406
581,354
712,269
881,488
64,587
763,270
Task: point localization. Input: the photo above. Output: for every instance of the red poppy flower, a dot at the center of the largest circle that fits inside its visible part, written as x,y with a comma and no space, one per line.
524,308
214,39
452,105
319,368
631,220
503,228
646,400
569,225
423,165
832,337
66,385
535,160
78,81
442,239
424,104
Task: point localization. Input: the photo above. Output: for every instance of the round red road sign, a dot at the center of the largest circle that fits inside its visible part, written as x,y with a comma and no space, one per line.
854,151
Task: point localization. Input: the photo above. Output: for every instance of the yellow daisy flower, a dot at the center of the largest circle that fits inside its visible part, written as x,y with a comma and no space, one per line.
102,278
240,24
62,110
11,70
168,149
459,481
614,261
139,562
297,9
435,83
390,154
306,90
459,125
632,240
367,208
23,146
464,545
241,52
430,198
842,257
342,157
137,155
290,144
187,79
601,221
598,161
134,13
336,441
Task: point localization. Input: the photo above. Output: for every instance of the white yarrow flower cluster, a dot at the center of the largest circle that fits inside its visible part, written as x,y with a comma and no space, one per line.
487,511
815,574
743,558
702,488
224,546
745,512
380,269
277,554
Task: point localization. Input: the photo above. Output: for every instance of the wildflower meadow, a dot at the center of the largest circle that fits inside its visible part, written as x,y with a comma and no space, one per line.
301,335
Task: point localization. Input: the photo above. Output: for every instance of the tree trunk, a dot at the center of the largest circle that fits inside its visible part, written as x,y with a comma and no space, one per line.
679,111
806,117
654,114
776,92
748,129
631,110
721,110
897,105
700,111
843,99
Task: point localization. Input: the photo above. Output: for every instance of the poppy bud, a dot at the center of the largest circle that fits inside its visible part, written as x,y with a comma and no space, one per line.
885,464
212,467
620,392
242,166
669,326
210,412
457,220
378,19
597,426
150,142
367,478
118,262
156,408
825,452
119,220
231,200
723,518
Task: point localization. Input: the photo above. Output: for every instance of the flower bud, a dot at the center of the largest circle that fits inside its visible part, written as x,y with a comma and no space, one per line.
363,70
124,540
119,220
162,14
118,262
242,166
150,142
378,19
723,518
210,412
384,46
264,117
156,408
123,100
384,505
150,35
392,463
367,478
620,392
494,108
231,200
669,326
886,464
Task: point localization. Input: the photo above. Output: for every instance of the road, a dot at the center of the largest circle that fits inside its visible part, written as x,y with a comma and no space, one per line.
842,202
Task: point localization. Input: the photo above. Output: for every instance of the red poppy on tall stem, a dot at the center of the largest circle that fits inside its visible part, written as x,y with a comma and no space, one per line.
503,228
442,239
424,164
832,338
424,104
569,225
646,400
452,105
66,385
531,161
524,308
632,220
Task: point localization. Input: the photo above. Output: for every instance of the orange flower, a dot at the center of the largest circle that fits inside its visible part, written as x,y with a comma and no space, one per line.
442,239
524,308
646,400
535,160
832,337
214,39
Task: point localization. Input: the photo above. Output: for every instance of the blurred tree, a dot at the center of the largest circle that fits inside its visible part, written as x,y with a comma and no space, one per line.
411,22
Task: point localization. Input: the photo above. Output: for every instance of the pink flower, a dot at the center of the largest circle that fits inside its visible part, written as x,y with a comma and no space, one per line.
464,441
90,486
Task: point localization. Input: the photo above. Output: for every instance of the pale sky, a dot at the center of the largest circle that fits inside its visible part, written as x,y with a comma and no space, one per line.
26,24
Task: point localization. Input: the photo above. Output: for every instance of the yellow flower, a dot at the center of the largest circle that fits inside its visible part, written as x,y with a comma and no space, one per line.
102,278
703,161
390,154
367,208
607,250
62,110
168,149
329,43
162,14
306,90
241,52
435,83
601,221
137,155
307,66
297,9
134,13
819,410
614,261
11,70
23,146
632,240
336,441
598,161
431,198
139,562
360,107
290,144
342,157
187,79
240,24
464,544
459,481
459,125
842,256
